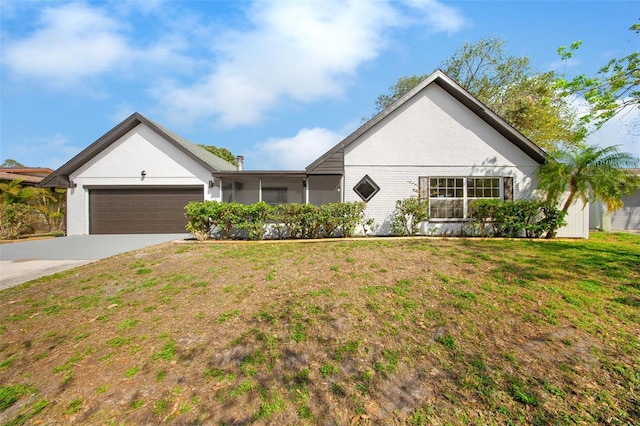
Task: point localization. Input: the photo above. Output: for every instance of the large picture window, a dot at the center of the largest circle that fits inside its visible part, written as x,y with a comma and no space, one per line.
449,197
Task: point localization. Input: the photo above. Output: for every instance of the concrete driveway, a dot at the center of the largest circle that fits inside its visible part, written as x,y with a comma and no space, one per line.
27,260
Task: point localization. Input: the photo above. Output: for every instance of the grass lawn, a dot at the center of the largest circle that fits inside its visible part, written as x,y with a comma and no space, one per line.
387,331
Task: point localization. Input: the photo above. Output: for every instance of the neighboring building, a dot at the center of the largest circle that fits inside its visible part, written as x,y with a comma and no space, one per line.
437,139
627,218
28,175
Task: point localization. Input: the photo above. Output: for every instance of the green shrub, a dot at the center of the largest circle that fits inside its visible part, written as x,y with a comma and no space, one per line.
408,215
17,219
553,218
198,214
514,219
349,216
207,216
509,220
254,219
291,220
295,218
483,211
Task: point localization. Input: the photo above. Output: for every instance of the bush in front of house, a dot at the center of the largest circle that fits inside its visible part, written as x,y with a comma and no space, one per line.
515,219
408,215
17,219
261,220
205,216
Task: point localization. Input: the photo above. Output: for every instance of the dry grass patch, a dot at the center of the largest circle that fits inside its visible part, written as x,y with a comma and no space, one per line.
423,331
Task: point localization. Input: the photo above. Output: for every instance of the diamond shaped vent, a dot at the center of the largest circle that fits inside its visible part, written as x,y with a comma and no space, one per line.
366,188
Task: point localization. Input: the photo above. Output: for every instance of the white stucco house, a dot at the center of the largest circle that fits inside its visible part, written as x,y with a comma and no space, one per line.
437,139
137,178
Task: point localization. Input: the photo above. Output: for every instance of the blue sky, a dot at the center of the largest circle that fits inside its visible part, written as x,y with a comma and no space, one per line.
278,82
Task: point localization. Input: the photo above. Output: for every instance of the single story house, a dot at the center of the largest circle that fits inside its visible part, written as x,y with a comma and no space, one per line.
437,140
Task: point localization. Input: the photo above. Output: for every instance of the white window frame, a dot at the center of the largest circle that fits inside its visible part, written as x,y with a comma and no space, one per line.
465,199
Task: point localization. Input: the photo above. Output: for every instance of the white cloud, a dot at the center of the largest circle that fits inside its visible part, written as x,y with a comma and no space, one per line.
294,153
292,52
136,7
439,17
72,41
284,52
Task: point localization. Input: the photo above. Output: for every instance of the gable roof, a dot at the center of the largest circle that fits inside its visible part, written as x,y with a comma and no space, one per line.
335,155
60,178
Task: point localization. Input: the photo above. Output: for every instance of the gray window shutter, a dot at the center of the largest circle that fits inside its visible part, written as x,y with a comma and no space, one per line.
507,183
423,187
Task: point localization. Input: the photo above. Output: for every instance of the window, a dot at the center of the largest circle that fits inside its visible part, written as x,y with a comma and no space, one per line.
449,197
366,188
274,196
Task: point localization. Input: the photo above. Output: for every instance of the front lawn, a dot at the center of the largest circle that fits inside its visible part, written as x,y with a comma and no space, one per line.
382,331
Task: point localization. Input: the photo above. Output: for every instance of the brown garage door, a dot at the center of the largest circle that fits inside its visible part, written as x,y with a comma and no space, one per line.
140,210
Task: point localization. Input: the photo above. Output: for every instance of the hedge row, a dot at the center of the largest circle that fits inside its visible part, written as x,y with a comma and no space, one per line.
261,220
489,217
515,219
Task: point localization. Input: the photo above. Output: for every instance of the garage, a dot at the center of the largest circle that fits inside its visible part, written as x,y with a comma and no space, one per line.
140,210
628,217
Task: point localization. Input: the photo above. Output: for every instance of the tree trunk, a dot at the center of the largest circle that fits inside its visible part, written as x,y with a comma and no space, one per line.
569,201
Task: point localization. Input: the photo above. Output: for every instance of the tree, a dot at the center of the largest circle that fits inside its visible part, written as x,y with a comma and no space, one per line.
11,163
614,88
12,192
50,202
223,153
589,173
398,90
525,99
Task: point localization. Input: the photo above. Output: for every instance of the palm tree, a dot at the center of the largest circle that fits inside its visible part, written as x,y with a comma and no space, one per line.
589,173
13,192
51,203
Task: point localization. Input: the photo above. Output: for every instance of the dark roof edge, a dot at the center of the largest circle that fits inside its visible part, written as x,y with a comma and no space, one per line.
128,124
269,173
491,118
91,151
454,89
